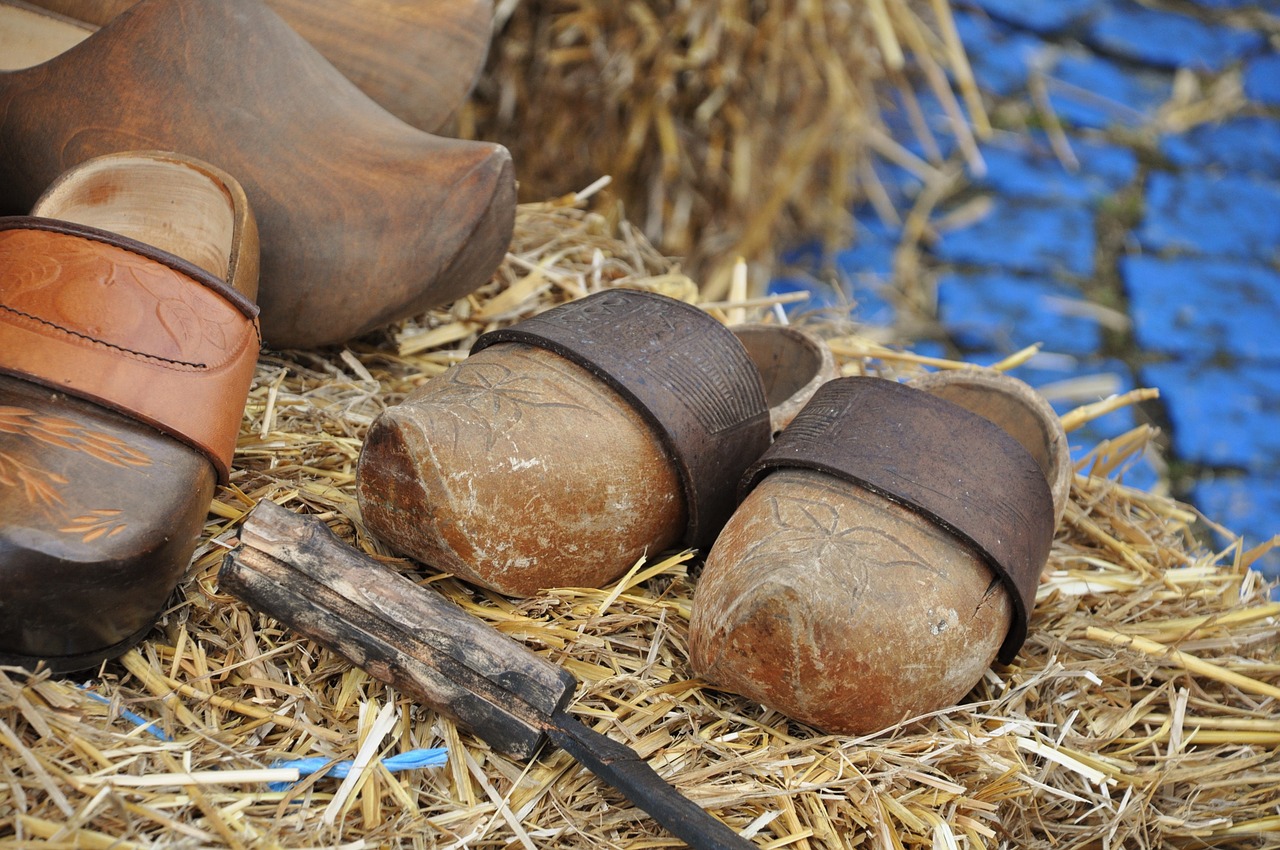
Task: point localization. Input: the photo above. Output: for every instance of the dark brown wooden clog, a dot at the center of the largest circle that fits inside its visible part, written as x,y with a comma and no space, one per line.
568,446
364,219
888,548
128,341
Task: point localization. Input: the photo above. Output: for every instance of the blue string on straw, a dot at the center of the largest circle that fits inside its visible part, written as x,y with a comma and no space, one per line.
410,760
148,726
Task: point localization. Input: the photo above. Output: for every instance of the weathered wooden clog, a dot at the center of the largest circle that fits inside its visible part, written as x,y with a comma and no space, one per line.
568,446
128,341
418,59
887,550
364,219
792,363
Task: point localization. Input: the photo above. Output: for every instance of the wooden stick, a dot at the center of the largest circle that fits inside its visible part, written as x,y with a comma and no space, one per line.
293,568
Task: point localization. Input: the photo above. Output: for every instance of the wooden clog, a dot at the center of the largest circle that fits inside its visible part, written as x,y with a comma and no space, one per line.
128,342
364,219
418,59
568,446
792,363
887,550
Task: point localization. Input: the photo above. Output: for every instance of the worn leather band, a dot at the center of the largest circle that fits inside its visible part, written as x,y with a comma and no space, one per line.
108,319
682,370
952,466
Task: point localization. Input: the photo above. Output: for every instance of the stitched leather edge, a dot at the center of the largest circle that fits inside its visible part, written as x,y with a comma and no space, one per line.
200,404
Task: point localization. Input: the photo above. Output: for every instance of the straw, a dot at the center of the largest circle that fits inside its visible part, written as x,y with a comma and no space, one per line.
1140,713
728,128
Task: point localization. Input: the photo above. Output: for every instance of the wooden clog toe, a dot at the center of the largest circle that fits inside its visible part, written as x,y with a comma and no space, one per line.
568,446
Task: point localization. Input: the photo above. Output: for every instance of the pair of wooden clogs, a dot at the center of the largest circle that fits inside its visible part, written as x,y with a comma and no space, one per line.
156,170
887,545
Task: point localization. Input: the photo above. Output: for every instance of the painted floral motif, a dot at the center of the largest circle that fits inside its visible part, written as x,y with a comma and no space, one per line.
42,486
95,524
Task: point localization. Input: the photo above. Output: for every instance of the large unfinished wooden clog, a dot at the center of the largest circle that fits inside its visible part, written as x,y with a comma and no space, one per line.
569,446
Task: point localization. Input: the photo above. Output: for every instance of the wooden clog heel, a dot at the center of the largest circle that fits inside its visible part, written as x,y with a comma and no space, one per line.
792,363
887,550
568,446
128,341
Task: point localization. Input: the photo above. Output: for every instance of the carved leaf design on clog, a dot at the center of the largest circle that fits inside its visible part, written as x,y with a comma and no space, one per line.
180,321
814,530
67,283
185,312
497,395
103,293
35,271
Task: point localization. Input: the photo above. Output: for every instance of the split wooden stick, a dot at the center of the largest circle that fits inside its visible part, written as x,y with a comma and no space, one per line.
294,569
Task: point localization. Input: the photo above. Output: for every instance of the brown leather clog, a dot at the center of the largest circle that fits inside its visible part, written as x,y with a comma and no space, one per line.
419,59
568,446
888,548
364,219
128,341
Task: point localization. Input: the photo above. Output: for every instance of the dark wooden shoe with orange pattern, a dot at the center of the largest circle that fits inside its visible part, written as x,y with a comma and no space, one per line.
128,341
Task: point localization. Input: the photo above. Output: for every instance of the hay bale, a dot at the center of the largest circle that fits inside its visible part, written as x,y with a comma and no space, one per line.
1142,712
727,127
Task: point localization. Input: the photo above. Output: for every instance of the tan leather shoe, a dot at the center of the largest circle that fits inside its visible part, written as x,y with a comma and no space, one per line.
128,342
364,219
419,59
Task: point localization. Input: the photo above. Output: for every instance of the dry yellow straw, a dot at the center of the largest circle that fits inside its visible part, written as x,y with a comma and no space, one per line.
166,688
80,838
1125,571
1087,413
1185,660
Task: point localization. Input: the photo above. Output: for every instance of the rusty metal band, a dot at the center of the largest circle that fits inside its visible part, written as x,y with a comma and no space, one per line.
952,466
682,370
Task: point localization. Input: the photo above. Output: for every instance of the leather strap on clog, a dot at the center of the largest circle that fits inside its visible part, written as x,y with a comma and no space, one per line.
682,371
108,319
950,465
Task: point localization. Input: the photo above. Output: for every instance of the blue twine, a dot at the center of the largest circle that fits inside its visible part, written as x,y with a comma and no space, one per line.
410,760
141,722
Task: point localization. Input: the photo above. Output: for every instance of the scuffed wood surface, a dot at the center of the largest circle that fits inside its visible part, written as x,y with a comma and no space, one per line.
293,568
